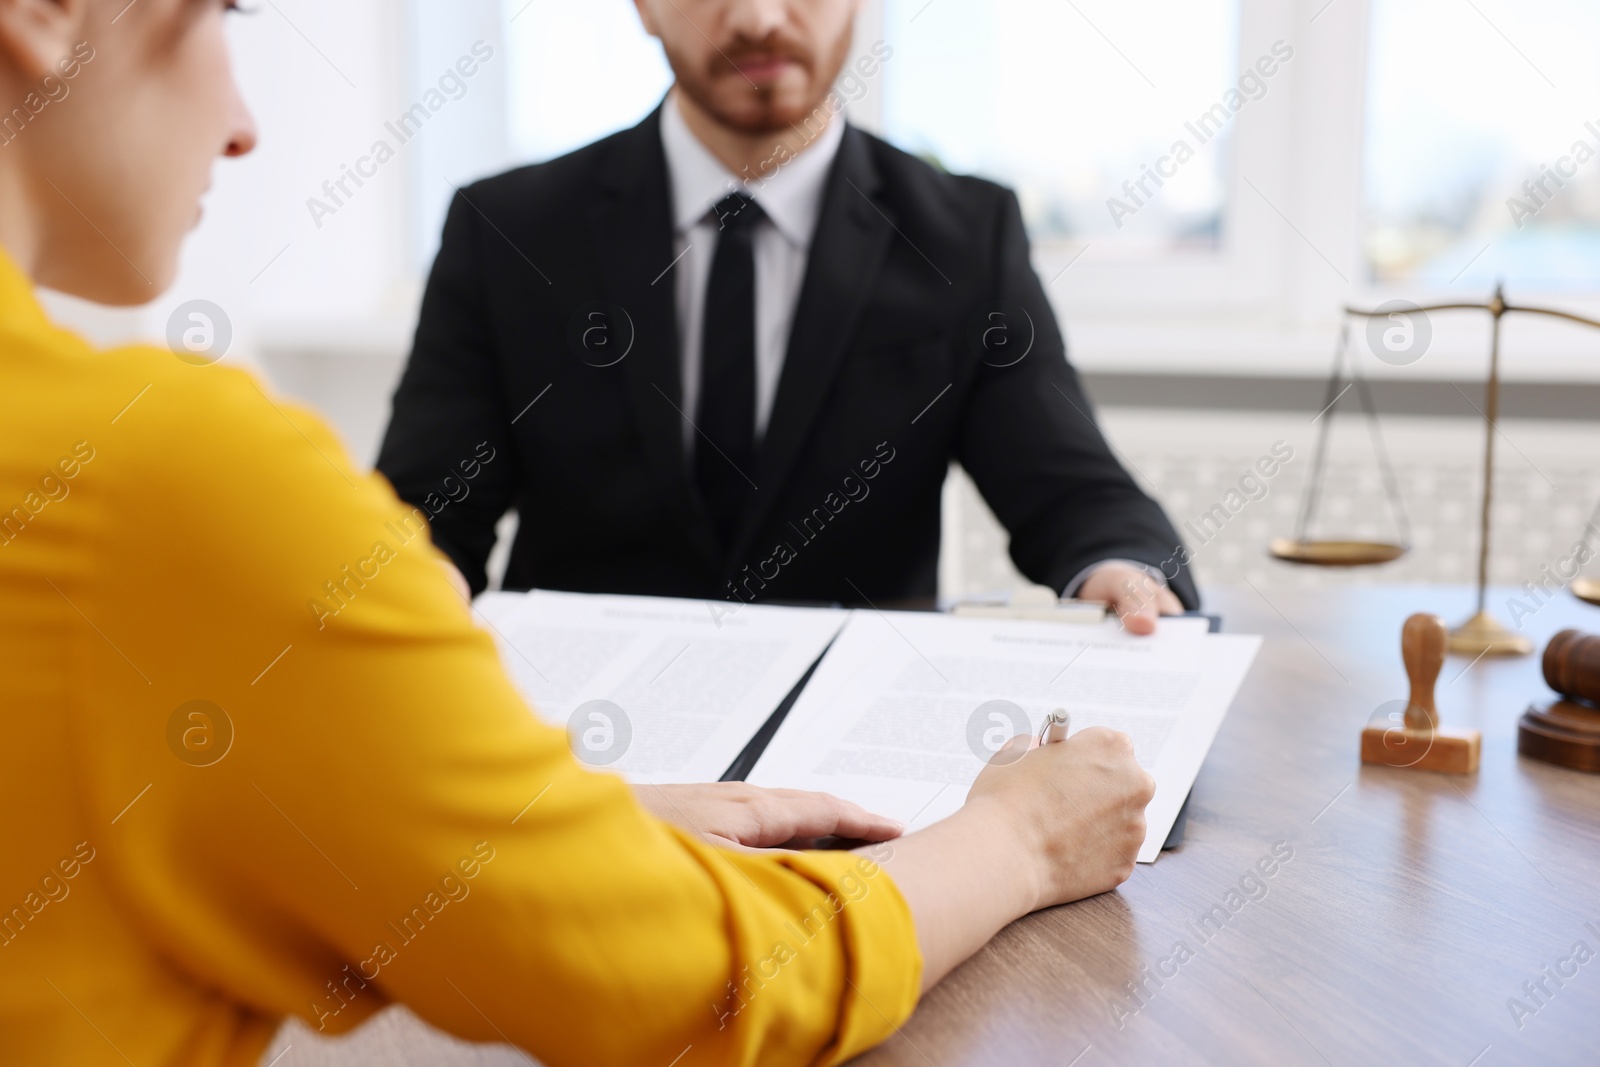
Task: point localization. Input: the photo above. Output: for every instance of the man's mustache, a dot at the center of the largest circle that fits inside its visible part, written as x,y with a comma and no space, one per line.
770,48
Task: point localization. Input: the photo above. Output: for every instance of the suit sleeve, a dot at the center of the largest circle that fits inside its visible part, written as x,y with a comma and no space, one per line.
385,819
1030,441
450,410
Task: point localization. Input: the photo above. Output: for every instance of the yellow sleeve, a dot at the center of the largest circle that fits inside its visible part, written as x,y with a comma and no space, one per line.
367,812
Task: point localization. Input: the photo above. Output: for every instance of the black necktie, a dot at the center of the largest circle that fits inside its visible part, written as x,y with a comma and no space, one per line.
724,454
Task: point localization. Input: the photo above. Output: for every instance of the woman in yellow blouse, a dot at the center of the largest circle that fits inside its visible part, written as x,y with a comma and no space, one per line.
220,809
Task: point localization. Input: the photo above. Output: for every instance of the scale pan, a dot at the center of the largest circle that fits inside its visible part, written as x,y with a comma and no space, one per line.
1587,590
1335,553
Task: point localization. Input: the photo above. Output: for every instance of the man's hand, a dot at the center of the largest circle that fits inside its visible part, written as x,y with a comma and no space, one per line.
733,813
1136,597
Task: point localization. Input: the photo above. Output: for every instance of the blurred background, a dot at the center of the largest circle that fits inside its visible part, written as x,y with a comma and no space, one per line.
1415,149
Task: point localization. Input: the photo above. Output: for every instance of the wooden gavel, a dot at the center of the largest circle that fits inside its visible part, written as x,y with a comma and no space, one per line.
1567,731
1572,665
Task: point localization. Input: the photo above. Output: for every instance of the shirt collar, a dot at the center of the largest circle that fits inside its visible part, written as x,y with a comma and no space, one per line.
791,195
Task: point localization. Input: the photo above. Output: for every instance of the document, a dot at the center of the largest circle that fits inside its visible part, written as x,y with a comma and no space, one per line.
906,708
657,689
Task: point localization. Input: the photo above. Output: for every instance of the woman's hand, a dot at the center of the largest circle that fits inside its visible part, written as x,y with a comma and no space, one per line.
736,814
1077,805
1041,826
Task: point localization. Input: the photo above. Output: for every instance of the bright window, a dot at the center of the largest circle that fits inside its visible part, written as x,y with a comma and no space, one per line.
1483,144
578,71
1067,101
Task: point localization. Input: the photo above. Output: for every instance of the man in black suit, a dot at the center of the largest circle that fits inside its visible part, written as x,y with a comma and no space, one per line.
731,353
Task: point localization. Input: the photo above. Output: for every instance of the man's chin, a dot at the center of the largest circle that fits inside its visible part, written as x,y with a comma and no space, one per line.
764,110
765,117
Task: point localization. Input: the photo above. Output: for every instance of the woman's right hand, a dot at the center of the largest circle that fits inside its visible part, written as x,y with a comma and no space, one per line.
1041,826
1076,808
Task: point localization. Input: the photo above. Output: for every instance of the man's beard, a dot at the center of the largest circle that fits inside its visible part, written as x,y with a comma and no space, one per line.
768,111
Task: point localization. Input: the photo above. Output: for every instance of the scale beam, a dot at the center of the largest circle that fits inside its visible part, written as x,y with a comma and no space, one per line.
1482,633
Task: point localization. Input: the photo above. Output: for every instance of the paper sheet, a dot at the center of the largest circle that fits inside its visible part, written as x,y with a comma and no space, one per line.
657,689
897,715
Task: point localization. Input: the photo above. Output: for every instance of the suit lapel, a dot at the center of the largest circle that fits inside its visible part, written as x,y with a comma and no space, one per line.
853,232
634,230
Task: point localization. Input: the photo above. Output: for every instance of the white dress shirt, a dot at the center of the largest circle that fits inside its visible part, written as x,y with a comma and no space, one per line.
791,197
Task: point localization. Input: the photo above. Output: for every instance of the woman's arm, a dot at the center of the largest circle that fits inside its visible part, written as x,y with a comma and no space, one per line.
391,822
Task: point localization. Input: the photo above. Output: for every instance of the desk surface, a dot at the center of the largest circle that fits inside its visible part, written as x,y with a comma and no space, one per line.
1414,907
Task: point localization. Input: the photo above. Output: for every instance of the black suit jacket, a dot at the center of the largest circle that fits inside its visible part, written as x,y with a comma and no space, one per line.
545,377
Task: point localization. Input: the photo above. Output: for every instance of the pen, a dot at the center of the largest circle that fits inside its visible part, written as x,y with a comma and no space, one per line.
1055,726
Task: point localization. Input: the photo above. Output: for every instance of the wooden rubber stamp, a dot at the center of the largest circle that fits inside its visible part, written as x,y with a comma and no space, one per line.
1420,743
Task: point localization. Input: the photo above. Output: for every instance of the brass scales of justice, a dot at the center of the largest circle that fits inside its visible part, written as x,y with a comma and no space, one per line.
1482,633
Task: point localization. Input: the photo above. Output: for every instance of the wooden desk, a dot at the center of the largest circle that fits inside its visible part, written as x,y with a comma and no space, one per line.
1413,908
